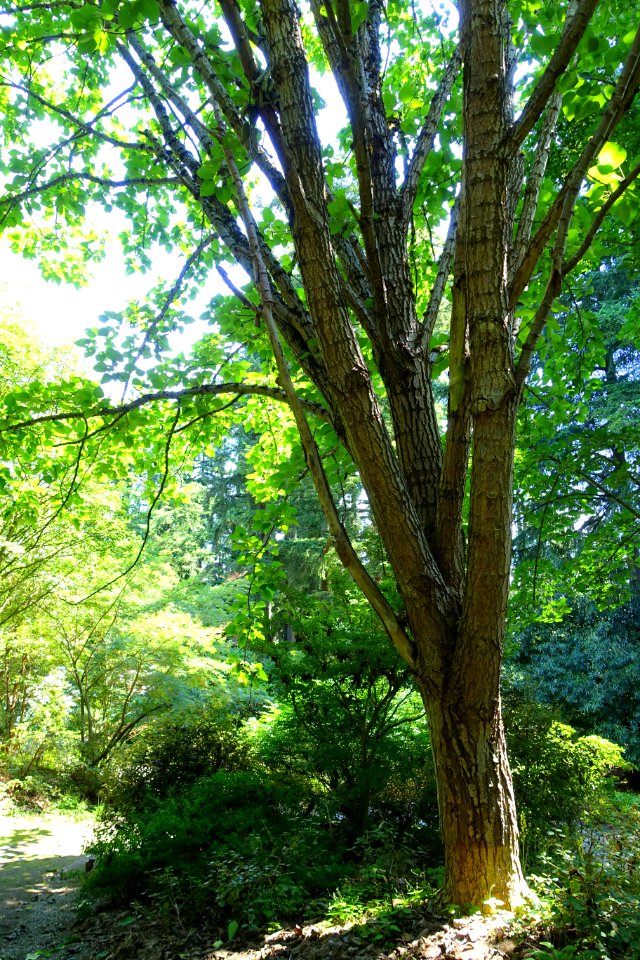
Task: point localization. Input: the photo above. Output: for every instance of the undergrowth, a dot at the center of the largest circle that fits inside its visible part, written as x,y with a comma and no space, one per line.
202,827
589,884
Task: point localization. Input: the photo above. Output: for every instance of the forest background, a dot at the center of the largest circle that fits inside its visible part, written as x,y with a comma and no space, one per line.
228,688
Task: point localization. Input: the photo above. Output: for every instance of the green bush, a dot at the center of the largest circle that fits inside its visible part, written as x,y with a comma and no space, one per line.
234,843
592,887
166,757
560,778
347,768
350,726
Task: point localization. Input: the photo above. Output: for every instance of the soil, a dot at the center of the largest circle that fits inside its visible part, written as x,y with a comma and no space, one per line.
41,864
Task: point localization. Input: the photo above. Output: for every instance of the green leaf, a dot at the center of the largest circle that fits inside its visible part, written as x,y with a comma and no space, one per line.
612,155
359,10
208,170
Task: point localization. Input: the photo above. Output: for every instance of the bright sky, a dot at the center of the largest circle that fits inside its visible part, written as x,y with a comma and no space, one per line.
59,312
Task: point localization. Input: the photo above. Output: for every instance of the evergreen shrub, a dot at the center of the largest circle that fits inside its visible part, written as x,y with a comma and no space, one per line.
167,757
560,778
233,843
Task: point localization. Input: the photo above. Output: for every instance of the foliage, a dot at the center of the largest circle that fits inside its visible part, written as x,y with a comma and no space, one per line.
236,842
586,667
576,504
166,760
89,648
592,886
86,675
349,723
559,777
509,129
213,816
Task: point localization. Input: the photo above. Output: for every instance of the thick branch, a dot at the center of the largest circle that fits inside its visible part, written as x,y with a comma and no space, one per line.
343,544
427,135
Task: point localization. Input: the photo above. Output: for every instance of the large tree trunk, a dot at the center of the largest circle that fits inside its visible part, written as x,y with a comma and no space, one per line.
477,810
456,615
475,793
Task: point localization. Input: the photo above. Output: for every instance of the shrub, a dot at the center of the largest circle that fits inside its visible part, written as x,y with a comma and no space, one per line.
166,757
559,776
593,886
233,843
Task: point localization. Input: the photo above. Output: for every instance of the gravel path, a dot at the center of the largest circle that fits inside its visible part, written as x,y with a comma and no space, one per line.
40,861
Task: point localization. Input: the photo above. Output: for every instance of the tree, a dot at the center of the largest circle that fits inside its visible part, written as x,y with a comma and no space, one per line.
211,148
587,667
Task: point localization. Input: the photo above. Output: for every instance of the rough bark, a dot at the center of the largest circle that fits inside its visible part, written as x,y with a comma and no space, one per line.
477,808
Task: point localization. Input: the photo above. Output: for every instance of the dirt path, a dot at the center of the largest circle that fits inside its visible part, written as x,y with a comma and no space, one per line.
40,861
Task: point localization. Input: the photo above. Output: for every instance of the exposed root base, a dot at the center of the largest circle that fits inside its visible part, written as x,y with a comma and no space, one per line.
521,896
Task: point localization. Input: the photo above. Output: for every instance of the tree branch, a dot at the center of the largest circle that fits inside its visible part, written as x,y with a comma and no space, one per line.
10,200
188,393
180,32
189,116
171,296
86,127
534,183
343,545
552,290
154,502
621,99
609,494
348,69
426,137
439,284
572,33
589,237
